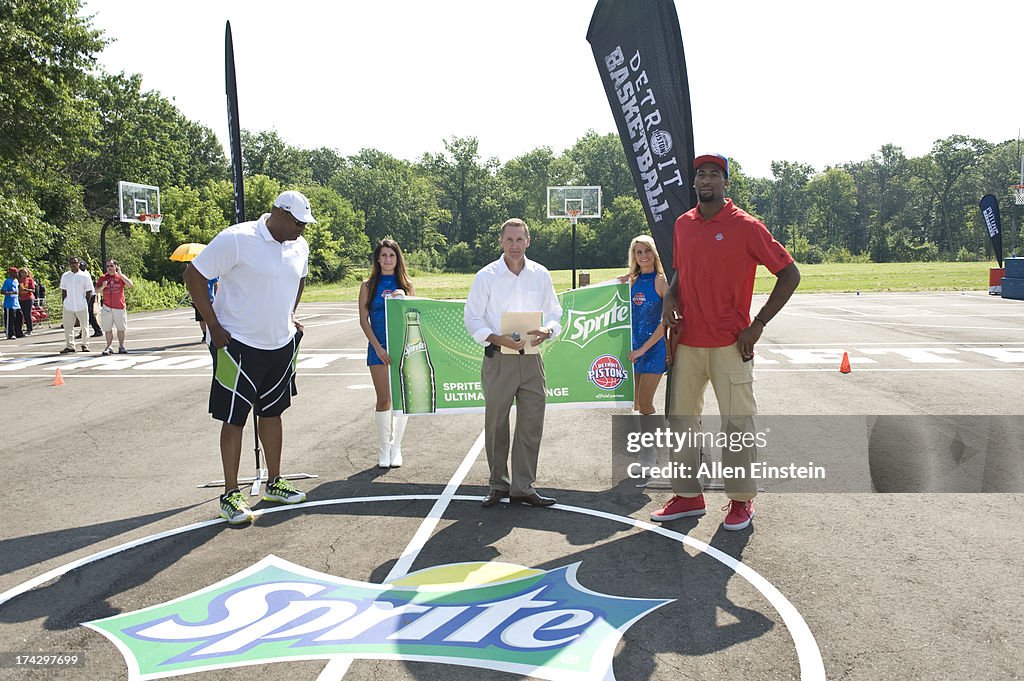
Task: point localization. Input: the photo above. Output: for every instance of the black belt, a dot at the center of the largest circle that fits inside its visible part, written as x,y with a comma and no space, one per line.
491,351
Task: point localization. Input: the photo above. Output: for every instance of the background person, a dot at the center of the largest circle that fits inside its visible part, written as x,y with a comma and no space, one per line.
114,313
26,297
211,285
717,248
254,337
74,285
12,309
512,283
388,277
91,295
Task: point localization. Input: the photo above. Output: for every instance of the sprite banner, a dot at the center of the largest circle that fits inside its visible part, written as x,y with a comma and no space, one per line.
435,363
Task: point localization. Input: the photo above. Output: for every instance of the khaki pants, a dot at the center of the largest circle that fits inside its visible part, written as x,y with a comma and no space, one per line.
732,379
504,378
69,326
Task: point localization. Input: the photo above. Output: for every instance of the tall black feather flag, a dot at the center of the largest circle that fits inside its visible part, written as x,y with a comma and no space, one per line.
638,48
234,133
990,213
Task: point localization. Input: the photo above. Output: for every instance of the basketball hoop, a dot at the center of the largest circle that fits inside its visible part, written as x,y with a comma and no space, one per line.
154,221
1018,194
574,215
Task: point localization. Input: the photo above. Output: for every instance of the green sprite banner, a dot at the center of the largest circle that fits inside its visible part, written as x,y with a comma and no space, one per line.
435,366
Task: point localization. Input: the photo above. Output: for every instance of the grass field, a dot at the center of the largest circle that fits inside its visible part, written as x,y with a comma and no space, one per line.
827,278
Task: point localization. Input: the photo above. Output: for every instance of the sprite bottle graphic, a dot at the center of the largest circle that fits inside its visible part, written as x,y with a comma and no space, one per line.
416,371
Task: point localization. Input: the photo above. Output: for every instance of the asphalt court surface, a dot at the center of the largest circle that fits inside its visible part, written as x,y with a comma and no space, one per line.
886,586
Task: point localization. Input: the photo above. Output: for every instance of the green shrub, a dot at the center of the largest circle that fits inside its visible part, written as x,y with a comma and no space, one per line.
426,260
841,254
151,295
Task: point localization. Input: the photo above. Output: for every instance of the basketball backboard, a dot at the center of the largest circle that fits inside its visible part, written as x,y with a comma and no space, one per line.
562,200
135,200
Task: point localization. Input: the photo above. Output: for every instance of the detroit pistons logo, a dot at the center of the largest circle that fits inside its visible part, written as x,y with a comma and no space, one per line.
606,372
661,142
639,298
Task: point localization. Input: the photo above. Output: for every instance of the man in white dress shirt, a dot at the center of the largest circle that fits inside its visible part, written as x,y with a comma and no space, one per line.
512,283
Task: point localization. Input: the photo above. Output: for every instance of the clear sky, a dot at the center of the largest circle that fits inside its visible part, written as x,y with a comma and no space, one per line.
818,82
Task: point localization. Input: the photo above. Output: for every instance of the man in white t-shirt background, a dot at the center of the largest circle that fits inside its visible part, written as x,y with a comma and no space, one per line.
75,289
254,336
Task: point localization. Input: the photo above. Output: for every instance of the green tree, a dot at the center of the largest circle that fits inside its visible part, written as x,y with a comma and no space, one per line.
524,181
339,234
741,188
945,173
190,216
611,235
266,153
832,209
46,53
599,160
142,137
787,206
396,200
23,234
324,163
466,187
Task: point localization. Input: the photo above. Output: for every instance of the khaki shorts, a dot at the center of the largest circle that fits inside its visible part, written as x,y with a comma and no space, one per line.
111,317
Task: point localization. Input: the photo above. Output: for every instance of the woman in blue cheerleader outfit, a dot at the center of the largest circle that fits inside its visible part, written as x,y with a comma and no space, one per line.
388,278
647,286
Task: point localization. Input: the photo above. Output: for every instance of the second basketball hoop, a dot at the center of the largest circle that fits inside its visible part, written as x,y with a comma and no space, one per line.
574,203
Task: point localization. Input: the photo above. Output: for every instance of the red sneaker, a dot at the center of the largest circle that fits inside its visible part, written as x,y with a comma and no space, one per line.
739,516
680,507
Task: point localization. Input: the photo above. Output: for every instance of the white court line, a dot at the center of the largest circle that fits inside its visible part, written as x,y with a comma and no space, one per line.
879,370
305,351
338,667
334,322
914,326
900,344
170,374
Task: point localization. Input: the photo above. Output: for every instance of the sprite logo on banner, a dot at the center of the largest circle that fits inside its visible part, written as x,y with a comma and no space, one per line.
437,364
499,616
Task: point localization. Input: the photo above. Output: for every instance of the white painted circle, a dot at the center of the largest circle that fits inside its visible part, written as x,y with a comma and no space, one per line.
808,656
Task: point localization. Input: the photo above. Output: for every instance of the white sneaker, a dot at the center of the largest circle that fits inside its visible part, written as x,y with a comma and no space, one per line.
396,456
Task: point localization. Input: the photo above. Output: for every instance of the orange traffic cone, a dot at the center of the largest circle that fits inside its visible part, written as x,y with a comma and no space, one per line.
844,366
58,379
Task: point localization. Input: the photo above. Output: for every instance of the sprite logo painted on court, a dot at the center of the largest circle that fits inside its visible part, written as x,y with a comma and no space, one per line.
585,326
540,623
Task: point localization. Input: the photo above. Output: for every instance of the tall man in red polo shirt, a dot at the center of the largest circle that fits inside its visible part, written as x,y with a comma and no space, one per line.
717,248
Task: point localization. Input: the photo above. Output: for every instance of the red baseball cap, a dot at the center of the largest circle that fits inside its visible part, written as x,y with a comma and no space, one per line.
12,270
719,160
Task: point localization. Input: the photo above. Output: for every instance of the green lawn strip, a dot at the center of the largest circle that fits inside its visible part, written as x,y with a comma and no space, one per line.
825,278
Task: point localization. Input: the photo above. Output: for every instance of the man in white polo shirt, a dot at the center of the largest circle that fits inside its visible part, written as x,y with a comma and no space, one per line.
254,336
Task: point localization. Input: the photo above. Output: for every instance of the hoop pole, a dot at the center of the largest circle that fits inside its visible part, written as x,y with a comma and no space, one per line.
572,221
103,239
